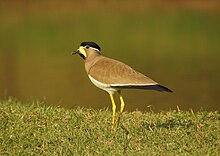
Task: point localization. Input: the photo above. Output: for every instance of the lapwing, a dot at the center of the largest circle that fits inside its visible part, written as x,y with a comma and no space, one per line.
113,76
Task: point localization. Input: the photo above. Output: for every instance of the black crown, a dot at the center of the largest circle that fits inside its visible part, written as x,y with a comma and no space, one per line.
91,44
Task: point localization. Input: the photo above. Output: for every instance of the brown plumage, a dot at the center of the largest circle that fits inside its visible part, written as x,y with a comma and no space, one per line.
117,74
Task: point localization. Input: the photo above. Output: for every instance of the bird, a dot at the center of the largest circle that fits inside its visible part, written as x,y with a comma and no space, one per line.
113,76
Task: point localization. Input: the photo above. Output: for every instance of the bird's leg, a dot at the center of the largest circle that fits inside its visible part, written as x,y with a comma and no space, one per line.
113,110
121,108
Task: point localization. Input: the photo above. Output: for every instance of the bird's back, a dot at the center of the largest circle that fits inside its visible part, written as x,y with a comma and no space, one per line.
116,73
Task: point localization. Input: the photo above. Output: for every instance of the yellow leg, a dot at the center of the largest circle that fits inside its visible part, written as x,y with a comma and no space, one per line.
122,107
113,110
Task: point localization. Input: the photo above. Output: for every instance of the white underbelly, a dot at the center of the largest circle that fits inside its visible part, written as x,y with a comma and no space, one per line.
103,86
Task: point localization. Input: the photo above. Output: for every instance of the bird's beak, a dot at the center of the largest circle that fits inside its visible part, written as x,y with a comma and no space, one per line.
75,52
81,51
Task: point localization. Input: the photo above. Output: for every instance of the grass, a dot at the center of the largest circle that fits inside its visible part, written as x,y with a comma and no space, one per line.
36,129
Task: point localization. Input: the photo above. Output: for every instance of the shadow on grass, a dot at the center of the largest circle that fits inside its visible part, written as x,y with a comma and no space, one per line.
169,124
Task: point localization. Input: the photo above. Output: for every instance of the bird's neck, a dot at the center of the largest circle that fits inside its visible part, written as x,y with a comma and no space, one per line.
89,62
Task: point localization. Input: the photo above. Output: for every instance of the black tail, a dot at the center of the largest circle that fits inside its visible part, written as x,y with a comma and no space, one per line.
147,87
162,88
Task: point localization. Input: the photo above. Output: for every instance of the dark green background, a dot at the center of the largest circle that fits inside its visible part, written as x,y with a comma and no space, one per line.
178,48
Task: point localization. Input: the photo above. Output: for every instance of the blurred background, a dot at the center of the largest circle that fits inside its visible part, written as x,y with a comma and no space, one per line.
176,43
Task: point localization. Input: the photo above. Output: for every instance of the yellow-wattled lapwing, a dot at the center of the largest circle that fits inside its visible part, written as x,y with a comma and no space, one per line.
112,75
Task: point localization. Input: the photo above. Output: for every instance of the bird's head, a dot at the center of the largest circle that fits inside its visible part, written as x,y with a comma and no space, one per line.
87,49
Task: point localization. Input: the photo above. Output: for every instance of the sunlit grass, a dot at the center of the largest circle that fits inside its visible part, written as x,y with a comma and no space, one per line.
32,128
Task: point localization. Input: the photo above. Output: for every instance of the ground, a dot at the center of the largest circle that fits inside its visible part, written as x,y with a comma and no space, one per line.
33,128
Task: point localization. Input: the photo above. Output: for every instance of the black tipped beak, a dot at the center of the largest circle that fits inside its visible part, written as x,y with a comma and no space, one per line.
75,52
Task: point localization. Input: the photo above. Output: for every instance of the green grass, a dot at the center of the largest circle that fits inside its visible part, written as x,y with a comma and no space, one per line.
36,129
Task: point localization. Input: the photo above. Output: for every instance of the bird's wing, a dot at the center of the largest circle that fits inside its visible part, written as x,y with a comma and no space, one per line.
116,73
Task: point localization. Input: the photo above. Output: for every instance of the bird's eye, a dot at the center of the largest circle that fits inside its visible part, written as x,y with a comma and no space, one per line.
87,47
